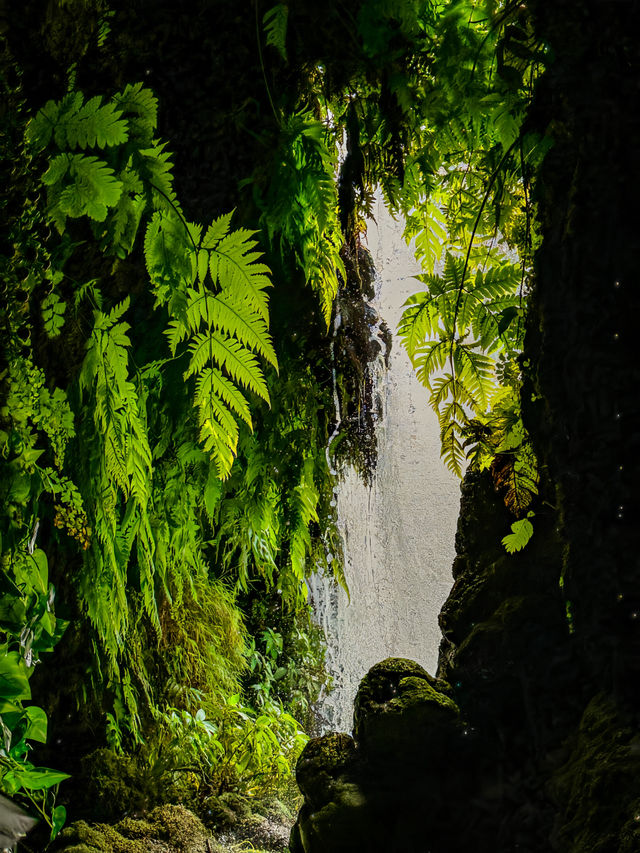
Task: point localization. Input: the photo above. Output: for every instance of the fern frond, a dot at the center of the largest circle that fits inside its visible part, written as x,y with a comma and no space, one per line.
218,229
452,450
220,443
475,371
233,265
156,168
521,533
40,128
94,123
92,190
167,254
140,106
430,358
419,321
233,316
275,27
446,386
233,357
233,398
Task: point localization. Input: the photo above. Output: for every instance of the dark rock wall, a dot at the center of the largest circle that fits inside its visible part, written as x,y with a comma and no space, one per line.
583,334
541,651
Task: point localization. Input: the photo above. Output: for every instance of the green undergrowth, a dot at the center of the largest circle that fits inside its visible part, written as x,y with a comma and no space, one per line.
171,360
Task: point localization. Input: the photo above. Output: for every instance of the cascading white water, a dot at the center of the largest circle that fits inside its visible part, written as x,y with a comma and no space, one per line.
398,533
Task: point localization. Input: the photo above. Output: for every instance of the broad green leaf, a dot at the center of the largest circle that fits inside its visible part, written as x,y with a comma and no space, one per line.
58,819
40,778
37,726
14,677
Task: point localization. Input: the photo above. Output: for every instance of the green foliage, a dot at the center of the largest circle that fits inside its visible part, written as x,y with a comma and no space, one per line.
120,478
293,675
28,627
172,471
211,289
457,326
275,28
300,205
72,123
226,330
155,422
265,516
521,532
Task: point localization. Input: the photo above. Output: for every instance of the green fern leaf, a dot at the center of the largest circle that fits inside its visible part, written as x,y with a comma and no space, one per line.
53,311
125,220
430,358
233,264
140,106
218,229
275,27
58,167
40,128
233,357
156,169
521,533
94,189
235,317
418,322
221,443
452,450
93,124
227,391
167,254
475,371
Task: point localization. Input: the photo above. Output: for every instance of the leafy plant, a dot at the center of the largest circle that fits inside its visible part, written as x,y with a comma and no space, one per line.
148,439
521,532
28,628
300,204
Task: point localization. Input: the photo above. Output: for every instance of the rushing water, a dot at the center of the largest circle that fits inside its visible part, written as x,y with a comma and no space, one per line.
398,533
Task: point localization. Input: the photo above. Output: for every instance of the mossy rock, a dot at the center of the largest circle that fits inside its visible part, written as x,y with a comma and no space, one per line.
225,810
167,829
598,787
116,784
324,761
335,813
402,713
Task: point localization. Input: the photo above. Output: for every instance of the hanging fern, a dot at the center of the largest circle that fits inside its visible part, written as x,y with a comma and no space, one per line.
300,205
224,318
210,288
121,465
275,28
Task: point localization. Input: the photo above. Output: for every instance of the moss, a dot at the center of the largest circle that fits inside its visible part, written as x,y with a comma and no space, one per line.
80,837
323,761
115,784
394,695
598,787
177,824
167,829
224,810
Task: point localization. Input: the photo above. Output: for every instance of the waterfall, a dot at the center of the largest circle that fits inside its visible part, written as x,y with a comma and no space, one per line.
398,533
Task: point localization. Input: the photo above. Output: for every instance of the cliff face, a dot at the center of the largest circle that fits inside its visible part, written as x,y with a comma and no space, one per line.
528,739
